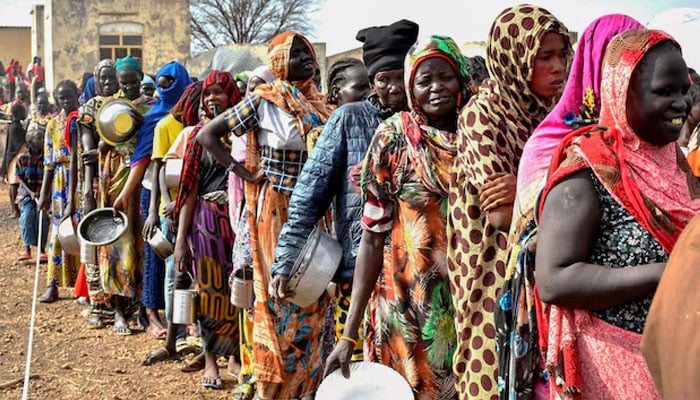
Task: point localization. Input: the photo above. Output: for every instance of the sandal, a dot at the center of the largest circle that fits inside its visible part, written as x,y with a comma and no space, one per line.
212,382
158,334
192,365
24,256
43,258
159,354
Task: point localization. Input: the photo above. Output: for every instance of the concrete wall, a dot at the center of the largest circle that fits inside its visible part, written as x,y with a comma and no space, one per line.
72,33
38,31
15,42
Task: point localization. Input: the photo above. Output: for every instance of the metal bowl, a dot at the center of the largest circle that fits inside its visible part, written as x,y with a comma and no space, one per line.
100,227
313,270
68,237
160,244
173,170
114,121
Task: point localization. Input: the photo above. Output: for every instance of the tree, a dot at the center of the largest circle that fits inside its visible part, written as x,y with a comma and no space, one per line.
217,22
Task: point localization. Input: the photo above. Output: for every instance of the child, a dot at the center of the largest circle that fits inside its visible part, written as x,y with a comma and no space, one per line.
30,173
14,145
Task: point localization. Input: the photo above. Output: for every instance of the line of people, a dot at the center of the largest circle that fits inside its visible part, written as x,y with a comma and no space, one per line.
502,235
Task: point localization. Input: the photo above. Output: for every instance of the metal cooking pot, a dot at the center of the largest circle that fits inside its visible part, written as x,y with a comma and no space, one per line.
173,171
100,227
68,237
160,244
313,270
88,253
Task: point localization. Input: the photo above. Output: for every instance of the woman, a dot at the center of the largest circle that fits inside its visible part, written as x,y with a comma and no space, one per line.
493,129
618,196
105,85
279,116
521,367
348,81
202,198
404,185
56,195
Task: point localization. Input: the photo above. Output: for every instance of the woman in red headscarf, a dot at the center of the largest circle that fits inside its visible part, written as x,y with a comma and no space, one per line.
204,237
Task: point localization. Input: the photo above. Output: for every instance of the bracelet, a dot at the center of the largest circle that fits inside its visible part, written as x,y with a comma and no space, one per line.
349,339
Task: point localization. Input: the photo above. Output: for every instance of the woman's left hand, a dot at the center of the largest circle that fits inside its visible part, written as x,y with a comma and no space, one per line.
278,287
150,225
499,190
119,204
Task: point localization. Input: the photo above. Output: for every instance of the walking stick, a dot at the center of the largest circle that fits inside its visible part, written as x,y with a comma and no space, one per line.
27,366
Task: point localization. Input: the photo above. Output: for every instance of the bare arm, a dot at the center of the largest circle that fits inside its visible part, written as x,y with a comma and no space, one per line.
133,182
152,221
90,168
569,226
183,254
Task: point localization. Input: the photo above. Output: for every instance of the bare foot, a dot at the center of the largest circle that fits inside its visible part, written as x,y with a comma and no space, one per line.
154,319
160,354
234,367
50,296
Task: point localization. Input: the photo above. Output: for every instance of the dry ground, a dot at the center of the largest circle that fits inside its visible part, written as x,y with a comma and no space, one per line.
68,360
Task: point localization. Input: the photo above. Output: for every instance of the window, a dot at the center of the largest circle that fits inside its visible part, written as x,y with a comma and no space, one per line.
118,46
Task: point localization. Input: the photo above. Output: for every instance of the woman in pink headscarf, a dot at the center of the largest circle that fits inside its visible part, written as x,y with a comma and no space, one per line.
520,368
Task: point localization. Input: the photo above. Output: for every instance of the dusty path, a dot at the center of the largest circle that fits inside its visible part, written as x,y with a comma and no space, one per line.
68,360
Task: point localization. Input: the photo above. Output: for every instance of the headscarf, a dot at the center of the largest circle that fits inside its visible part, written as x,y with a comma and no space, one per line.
430,150
167,100
88,91
147,80
654,183
128,63
300,99
506,98
193,149
106,63
261,72
581,96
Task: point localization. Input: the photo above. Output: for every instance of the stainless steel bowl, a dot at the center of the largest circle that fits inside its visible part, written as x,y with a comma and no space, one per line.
114,121
173,170
160,244
100,227
314,269
68,237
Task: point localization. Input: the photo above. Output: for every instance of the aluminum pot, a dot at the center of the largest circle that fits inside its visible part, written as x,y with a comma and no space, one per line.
68,237
173,171
184,306
242,295
313,270
160,244
114,121
100,227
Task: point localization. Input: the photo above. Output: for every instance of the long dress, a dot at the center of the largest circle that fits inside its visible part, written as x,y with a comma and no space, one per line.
287,339
414,326
62,267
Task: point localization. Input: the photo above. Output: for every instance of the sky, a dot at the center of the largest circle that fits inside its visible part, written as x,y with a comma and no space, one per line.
338,21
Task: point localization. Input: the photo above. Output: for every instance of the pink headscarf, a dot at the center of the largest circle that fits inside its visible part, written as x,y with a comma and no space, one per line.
585,75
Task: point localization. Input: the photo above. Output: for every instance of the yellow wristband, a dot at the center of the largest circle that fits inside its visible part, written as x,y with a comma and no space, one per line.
349,339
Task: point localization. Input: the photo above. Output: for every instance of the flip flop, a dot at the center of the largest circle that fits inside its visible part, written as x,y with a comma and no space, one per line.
211,382
244,391
43,258
24,257
158,334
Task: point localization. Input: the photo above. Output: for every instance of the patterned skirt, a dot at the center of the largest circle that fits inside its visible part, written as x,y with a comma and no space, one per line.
211,241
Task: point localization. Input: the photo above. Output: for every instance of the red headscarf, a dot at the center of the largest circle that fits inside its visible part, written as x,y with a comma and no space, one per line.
193,150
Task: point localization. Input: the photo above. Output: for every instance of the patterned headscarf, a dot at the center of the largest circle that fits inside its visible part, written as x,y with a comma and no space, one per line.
106,63
301,99
436,46
128,63
228,85
581,96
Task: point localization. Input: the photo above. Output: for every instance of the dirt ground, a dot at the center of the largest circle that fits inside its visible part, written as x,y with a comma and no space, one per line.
68,360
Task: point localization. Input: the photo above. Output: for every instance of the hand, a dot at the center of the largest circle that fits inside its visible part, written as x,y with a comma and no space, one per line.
170,225
119,204
138,118
44,202
89,157
499,190
169,209
150,225
278,287
183,255
89,203
340,357
257,176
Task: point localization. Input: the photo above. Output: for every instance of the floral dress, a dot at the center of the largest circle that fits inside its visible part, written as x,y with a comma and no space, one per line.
415,332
